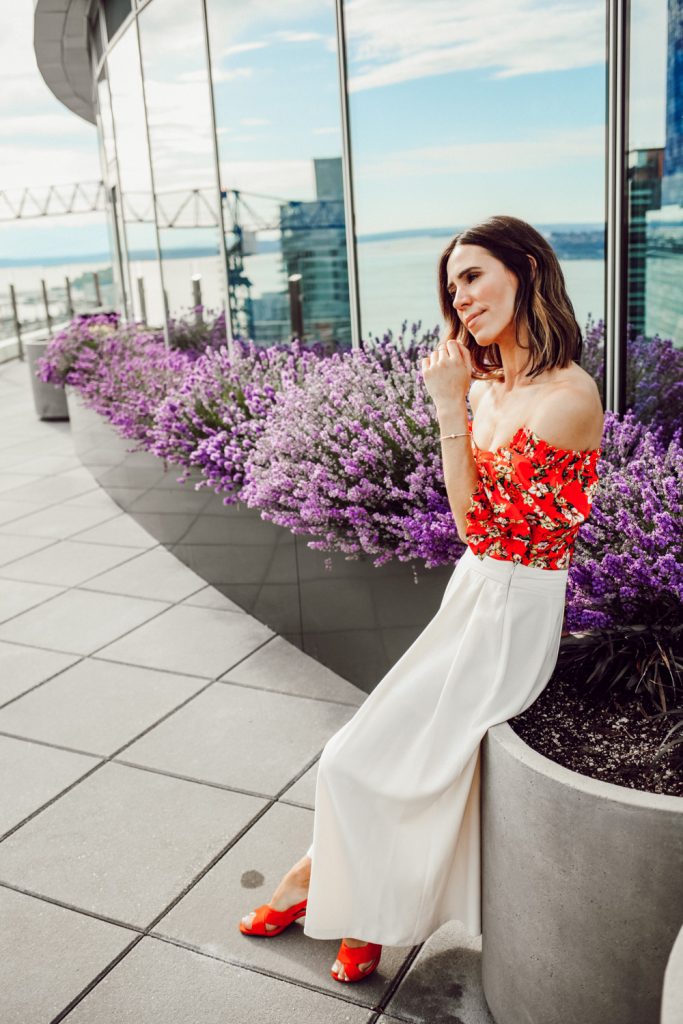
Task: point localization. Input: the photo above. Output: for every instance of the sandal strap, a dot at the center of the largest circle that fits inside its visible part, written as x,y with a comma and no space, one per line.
265,914
358,954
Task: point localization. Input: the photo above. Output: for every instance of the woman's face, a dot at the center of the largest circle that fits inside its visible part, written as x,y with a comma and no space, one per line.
480,284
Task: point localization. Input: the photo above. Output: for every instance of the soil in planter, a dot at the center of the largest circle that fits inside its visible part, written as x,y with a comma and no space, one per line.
614,742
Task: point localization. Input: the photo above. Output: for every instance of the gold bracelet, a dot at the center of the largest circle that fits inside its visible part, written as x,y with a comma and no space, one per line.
444,436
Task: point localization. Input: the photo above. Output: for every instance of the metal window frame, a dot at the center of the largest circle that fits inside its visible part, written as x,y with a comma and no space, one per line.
157,240
347,174
616,193
217,170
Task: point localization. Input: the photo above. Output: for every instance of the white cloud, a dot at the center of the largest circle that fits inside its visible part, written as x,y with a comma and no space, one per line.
393,41
468,159
43,143
230,51
288,36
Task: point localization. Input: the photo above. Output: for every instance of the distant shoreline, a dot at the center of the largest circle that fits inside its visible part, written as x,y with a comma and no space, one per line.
594,242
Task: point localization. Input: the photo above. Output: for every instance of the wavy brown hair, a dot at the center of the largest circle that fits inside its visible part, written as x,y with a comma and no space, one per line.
542,305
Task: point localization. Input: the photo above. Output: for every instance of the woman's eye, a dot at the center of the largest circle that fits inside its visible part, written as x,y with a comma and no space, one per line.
470,278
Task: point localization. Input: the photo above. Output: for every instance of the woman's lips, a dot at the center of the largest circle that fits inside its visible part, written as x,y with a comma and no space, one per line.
477,317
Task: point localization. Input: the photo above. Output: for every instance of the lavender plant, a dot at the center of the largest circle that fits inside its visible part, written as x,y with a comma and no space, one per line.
213,418
352,458
654,375
85,332
628,561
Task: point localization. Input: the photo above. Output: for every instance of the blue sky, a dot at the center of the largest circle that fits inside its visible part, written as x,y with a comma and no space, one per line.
457,112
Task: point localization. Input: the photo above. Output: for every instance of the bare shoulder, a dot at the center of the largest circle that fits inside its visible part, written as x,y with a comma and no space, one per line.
478,389
570,415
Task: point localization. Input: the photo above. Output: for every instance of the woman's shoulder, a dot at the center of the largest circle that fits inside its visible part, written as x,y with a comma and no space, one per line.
570,413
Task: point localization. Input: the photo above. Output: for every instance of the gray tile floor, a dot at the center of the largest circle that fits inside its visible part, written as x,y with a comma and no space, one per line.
158,751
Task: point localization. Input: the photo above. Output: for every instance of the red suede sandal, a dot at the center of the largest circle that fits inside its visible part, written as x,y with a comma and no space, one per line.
351,956
282,918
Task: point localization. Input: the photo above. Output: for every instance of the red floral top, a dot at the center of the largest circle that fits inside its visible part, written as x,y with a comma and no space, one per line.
531,500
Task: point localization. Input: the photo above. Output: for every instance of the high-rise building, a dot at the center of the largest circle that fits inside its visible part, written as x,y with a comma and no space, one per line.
314,245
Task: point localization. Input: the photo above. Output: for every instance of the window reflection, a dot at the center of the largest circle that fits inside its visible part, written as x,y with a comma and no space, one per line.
275,82
655,297
181,142
461,112
110,178
137,205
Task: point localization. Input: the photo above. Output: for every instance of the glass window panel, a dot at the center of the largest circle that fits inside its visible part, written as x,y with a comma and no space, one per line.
276,91
655,263
110,177
459,112
115,13
177,96
137,203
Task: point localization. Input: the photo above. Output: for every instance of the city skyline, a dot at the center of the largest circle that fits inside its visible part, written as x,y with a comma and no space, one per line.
464,160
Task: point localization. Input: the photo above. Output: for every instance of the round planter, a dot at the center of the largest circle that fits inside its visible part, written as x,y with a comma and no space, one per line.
672,995
50,401
582,891
354,618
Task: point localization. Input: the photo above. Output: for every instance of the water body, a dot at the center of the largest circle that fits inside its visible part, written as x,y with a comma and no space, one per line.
397,282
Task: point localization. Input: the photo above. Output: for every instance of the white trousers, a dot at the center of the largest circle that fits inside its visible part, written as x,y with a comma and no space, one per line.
396,848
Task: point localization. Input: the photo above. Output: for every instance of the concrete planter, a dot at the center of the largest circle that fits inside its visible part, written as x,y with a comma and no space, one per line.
354,618
50,401
672,995
582,891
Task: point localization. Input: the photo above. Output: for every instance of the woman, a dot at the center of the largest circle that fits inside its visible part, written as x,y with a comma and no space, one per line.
396,838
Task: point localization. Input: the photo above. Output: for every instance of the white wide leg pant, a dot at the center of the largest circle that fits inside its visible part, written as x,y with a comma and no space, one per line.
396,834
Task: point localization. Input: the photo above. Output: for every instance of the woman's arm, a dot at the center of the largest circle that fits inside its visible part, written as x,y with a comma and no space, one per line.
447,374
459,467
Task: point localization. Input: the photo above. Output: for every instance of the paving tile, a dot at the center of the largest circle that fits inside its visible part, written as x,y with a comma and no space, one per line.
119,530
207,917
31,774
24,667
249,739
209,597
15,511
17,596
281,666
185,500
444,981
58,521
41,443
95,499
303,791
77,621
124,842
8,481
197,641
50,490
97,706
167,527
67,563
160,982
48,465
155,574
37,979
13,546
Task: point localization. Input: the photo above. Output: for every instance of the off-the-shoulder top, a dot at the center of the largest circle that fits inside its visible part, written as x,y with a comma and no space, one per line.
531,499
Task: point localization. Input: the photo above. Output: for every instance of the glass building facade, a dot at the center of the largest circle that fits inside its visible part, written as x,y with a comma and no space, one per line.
340,145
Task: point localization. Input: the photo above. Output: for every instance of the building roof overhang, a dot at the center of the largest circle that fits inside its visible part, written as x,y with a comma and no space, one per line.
60,41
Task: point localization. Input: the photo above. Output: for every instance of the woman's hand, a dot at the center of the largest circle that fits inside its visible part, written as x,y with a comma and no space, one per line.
447,373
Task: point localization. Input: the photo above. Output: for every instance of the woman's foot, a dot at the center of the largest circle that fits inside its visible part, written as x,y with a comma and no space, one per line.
292,889
338,967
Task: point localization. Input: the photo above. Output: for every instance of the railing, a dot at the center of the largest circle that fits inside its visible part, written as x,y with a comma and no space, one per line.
40,309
